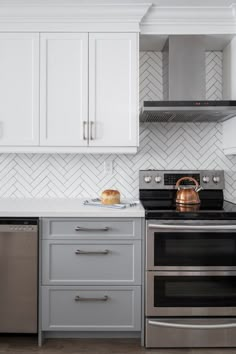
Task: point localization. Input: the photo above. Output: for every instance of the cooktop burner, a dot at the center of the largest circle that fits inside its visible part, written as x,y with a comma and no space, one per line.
158,196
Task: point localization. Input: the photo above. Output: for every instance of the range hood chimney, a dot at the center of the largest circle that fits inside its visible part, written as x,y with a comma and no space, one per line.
184,86
184,59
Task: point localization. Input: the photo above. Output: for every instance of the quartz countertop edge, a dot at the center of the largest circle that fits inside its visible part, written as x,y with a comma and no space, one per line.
63,208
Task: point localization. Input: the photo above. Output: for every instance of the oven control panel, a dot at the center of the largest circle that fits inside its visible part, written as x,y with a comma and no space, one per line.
161,179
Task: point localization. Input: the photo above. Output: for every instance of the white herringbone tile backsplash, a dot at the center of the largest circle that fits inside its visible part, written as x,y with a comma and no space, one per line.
162,146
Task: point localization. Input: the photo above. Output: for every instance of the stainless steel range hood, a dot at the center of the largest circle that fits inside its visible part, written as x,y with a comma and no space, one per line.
184,86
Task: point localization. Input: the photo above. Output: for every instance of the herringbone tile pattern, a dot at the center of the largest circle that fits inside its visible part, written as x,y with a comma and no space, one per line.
150,77
162,146
214,75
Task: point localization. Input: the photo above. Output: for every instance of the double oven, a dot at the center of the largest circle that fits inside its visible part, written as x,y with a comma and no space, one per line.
190,278
190,284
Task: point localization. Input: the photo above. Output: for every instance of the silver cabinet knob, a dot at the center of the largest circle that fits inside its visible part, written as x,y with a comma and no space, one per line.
147,179
216,179
158,179
205,179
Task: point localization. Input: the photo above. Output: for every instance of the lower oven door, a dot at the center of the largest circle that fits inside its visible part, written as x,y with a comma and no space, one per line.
190,293
190,333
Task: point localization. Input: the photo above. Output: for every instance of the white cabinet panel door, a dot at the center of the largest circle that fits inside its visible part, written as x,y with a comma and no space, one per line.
19,89
64,89
113,89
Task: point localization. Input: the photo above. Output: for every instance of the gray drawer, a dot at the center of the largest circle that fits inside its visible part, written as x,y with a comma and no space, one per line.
99,228
91,308
84,263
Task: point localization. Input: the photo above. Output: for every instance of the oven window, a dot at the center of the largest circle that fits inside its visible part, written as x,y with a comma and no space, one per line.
194,291
194,249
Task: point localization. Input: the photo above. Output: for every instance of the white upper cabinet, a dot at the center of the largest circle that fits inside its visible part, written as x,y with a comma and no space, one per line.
64,89
19,89
113,89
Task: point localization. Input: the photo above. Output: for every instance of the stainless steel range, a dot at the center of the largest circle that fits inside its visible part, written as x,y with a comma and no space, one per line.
190,285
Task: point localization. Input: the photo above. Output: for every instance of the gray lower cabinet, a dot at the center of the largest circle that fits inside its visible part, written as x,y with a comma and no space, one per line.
91,308
91,274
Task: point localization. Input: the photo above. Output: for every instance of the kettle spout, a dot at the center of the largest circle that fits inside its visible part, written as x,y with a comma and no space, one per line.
198,189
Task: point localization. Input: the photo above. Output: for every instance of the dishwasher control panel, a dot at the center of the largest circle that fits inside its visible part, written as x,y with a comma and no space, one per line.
22,228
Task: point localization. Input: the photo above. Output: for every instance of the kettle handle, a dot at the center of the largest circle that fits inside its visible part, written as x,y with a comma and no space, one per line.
187,178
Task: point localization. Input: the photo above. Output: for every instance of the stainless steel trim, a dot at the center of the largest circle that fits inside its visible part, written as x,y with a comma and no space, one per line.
193,268
191,326
79,228
192,227
195,273
84,129
81,252
79,298
91,130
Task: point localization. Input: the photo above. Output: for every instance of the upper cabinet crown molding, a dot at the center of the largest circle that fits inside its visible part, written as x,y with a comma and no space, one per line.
190,20
56,15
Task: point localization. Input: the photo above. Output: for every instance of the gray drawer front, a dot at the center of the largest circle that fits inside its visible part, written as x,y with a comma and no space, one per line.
98,308
84,263
84,228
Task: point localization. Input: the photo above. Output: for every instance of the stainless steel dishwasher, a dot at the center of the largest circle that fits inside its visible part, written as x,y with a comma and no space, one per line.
18,275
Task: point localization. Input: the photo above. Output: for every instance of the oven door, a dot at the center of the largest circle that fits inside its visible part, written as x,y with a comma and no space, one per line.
190,245
190,293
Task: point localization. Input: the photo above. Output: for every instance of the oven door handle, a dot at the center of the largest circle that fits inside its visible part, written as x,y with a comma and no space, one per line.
192,227
191,326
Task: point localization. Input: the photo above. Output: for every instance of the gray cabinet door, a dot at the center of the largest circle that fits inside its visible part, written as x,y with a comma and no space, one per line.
91,308
94,228
84,263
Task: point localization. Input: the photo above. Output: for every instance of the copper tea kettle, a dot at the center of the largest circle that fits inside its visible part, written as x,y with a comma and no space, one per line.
187,195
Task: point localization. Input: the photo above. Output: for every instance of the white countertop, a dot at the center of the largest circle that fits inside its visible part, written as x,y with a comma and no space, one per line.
63,208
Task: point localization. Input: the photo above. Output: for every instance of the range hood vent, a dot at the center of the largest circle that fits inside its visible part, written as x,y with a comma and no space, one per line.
187,111
184,86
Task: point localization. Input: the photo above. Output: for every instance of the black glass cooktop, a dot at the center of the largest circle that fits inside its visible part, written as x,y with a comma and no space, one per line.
161,205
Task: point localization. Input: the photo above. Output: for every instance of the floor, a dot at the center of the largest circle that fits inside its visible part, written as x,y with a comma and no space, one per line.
28,345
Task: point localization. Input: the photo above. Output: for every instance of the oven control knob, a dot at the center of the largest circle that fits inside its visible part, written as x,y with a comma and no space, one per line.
205,179
158,179
147,179
216,179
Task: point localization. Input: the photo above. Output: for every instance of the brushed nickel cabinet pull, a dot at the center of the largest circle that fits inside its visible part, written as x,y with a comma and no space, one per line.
91,252
91,131
79,298
79,228
84,130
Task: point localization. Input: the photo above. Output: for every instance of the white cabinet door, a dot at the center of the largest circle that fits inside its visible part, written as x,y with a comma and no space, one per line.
19,89
113,89
64,89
